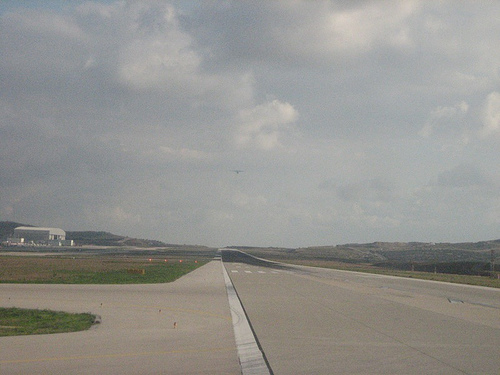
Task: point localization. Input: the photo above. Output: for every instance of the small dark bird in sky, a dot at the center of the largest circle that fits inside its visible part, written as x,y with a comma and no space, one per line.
237,171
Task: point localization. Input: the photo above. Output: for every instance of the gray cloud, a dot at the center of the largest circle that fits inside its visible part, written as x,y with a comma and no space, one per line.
373,190
131,116
464,176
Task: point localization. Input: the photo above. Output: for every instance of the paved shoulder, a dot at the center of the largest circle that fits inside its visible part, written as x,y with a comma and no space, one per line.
137,334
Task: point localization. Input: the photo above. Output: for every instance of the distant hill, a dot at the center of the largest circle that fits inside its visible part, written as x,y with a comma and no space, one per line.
97,238
110,239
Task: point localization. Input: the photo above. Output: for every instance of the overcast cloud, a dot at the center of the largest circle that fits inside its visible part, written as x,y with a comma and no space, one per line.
352,121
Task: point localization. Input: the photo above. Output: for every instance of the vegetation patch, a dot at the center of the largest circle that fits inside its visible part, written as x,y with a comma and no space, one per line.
93,270
15,321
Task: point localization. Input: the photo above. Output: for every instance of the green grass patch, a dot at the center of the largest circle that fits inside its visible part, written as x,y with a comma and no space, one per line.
93,270
15,321
163,273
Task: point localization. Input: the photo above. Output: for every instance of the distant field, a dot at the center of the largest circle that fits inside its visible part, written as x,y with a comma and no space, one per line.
94,270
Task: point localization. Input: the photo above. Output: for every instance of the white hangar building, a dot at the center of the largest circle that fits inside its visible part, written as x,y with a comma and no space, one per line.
38,235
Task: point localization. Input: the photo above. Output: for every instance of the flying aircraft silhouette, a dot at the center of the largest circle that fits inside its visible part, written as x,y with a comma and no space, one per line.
237,171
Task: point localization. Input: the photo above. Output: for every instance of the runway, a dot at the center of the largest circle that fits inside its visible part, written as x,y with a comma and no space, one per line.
318,321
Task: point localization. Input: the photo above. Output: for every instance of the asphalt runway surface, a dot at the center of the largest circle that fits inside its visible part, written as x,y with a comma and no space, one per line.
319,321
136,334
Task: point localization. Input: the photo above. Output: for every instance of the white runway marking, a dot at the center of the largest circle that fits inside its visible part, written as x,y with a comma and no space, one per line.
259,272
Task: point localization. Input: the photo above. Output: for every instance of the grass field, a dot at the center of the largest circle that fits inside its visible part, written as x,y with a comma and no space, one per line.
15,322
93,270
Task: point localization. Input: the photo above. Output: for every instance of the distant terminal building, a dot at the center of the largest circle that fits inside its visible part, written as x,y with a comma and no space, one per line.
40,236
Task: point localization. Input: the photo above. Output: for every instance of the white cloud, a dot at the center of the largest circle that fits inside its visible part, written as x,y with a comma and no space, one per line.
440,114
262,126
361,217
120,214
374,190
249,202
184,153
159,54
491,115
327,30
361,28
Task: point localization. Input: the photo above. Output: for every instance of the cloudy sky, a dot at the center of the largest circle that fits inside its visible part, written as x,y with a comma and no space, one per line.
352,121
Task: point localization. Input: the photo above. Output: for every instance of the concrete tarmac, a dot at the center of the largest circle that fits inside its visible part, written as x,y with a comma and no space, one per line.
306,320
136,335
319,321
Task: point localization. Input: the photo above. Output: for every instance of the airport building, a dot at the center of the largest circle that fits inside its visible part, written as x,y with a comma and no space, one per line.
40,236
